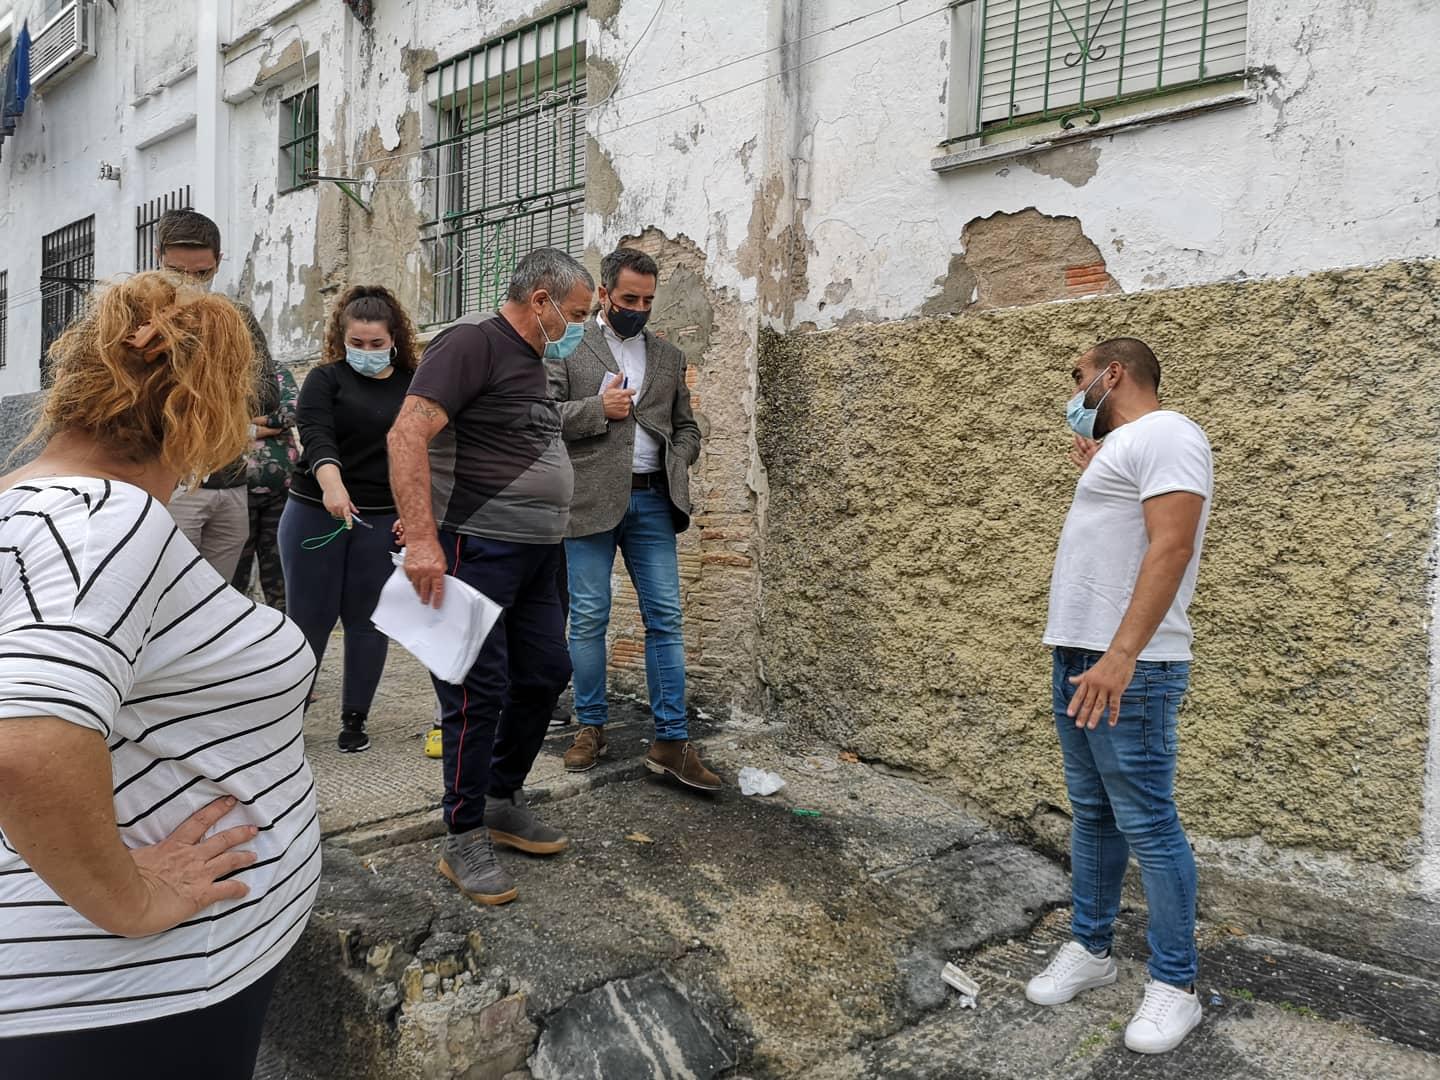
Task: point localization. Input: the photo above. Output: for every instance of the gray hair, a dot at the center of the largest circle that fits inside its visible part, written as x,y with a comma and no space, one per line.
549,269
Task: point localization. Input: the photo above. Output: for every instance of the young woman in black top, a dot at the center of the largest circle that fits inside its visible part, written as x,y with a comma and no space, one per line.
336,532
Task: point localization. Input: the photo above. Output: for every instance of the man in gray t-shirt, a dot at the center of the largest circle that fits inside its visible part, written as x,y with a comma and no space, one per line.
483,485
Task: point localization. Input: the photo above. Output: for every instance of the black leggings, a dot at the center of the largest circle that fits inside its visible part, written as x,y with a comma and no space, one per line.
217,1043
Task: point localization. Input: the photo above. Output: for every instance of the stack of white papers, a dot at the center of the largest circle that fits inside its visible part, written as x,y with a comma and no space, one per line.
446,639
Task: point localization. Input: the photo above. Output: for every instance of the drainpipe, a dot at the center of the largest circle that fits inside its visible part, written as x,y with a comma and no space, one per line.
212,124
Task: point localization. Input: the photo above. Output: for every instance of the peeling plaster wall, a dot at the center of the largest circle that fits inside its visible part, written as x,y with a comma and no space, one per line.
1336,164
302,248
904,605
272,249
706,190
814,202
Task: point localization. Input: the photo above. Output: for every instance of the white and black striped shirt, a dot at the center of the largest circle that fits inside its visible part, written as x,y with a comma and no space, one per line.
110,619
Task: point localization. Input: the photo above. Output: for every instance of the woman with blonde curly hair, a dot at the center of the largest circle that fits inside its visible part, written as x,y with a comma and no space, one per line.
159,849
333,570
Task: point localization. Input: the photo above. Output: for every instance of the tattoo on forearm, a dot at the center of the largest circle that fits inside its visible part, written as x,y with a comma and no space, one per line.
425,409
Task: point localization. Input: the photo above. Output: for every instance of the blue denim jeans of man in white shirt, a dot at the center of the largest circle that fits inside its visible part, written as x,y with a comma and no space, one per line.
1121,782
646,539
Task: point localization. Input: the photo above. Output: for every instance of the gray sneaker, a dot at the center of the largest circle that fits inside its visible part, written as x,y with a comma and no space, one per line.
468,859
515,825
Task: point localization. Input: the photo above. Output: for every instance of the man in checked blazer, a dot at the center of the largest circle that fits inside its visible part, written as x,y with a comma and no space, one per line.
632,438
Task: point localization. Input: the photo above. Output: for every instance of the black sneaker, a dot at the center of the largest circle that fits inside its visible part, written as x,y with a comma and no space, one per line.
352,733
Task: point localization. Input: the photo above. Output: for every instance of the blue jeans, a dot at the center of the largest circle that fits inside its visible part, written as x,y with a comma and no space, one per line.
1121,782
646,537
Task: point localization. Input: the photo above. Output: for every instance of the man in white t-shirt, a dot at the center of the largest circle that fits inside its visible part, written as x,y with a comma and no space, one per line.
1124,575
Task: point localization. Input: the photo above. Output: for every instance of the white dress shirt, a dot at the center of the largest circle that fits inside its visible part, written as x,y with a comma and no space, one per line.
629,354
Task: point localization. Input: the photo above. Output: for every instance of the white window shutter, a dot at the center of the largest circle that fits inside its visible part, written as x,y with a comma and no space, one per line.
1033,58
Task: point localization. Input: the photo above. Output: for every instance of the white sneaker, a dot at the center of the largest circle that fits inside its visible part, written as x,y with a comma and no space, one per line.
1075,968
1165,1017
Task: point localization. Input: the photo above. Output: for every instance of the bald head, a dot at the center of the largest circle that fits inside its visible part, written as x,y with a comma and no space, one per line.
1130,353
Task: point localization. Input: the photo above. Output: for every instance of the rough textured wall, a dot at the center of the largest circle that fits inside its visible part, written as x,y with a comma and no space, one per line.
918,484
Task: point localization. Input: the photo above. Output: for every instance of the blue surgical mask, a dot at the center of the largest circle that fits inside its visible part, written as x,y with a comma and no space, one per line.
1081,419
568,342
369,362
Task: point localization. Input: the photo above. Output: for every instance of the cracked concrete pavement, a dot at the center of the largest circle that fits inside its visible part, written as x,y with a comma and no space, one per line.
694,936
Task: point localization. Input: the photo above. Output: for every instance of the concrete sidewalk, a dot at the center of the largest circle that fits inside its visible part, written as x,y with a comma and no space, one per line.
694,936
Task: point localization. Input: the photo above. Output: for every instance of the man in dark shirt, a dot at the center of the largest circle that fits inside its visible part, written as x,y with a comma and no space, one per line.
215,517
483,485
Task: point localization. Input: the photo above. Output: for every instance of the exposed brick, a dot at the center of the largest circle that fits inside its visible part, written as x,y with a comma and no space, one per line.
726,558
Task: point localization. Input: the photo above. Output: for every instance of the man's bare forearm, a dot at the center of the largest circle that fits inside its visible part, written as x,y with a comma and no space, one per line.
1160,574
409,449
410,483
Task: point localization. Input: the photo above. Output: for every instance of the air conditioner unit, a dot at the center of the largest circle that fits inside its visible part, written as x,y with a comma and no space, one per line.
64,45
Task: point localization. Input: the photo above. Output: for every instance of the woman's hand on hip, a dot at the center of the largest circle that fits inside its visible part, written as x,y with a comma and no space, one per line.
182,874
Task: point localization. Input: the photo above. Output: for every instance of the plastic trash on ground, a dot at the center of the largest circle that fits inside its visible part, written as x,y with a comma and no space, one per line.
967,987
759,782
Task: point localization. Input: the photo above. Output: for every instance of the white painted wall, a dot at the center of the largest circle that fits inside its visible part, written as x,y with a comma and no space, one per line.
271,236
48,179
695,171
1336,164
1322,170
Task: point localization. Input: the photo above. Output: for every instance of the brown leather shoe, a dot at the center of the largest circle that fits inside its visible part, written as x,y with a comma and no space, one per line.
681,760
587,749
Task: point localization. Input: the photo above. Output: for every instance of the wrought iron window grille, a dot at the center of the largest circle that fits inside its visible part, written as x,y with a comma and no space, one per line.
1068,61
67,271
299,140
509,160
147,219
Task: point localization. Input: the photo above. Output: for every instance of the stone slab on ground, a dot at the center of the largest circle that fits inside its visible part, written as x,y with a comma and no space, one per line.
394,776
794,926
653,1028
799,935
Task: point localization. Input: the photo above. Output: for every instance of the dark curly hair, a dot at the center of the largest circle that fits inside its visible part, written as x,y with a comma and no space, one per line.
371,303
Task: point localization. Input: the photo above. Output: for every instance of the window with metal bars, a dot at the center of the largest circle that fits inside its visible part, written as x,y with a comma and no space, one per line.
510,160
1062,61
299,139
67,271
4,312
147,218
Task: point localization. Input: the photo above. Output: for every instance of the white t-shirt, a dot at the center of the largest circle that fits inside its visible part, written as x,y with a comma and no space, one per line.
1104,539
110,619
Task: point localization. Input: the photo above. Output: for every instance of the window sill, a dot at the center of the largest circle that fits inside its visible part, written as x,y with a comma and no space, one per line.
1009,151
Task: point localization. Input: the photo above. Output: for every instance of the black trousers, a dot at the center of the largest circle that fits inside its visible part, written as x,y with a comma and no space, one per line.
495,722
218,1043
